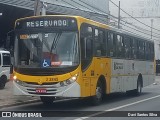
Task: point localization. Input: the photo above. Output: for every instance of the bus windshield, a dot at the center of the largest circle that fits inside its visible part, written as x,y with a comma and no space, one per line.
47,50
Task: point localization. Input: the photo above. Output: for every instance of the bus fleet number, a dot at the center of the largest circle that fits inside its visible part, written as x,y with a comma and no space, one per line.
51,79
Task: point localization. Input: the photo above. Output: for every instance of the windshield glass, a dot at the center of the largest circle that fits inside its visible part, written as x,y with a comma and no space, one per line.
47,50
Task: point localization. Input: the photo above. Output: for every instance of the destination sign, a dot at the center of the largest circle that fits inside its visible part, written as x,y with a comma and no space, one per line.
47,22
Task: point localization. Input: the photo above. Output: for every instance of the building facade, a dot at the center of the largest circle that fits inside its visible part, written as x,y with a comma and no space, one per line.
94,9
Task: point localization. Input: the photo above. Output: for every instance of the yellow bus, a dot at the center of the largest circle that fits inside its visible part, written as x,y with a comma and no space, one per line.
74,57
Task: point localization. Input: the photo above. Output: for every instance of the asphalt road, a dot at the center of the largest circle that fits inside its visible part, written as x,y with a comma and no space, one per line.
117,103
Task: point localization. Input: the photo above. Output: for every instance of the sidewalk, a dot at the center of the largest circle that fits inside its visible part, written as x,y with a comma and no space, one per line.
157,81
8,99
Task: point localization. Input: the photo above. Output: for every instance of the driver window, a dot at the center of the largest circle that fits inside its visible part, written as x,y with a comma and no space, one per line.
86,38
86,42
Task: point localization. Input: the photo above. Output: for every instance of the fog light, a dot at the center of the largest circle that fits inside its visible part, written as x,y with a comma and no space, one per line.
62,83
68,82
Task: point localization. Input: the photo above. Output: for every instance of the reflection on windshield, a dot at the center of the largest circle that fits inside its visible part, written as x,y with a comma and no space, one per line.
48,50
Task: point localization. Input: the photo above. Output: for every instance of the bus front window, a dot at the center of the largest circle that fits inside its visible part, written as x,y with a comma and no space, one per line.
47,50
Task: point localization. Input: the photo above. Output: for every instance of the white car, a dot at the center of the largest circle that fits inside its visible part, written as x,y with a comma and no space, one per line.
5,64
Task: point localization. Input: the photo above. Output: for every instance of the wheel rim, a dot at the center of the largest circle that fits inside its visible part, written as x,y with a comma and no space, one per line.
139,87
98,93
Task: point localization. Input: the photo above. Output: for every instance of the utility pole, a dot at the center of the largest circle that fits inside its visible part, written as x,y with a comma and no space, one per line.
119,9
40,7
151,27
44,6
37,7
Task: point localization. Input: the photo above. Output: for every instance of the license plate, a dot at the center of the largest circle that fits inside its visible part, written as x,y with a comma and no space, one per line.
41,90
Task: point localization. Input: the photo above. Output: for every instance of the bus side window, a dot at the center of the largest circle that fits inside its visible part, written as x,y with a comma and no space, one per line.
86,43
147,51
100,47
0,60
135,48
86,48
145,46
141,50
131,50
152,51
86,38
110,44
119,46
106,43
127,46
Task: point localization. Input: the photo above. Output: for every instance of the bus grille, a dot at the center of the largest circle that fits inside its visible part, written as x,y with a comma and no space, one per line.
50,88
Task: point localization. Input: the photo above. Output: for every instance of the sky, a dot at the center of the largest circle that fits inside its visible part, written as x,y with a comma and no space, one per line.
100,4
139,8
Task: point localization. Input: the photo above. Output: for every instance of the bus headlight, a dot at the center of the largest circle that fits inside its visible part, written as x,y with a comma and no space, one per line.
14,77
69,81
61,83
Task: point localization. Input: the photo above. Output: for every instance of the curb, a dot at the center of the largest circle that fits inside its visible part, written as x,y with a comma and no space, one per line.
32,101
19,103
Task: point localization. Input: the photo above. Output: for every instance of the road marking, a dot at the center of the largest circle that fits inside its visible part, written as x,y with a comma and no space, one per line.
116,108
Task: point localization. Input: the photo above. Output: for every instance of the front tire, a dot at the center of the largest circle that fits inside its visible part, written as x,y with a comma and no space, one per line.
96,100
47,100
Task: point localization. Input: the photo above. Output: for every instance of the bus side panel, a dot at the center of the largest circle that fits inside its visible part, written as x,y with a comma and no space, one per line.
140,68
86,83
117,81
103,68
98,67
129,74
88,80
125,74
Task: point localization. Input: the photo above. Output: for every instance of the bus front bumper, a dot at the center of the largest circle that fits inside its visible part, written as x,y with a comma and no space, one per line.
71,90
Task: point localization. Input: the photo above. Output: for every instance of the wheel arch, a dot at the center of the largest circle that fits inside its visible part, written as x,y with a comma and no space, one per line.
4,76
102,79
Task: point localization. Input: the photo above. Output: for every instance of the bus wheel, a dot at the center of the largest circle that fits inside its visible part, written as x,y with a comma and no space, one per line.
138,91
3,80
47,100
96,100
139,87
